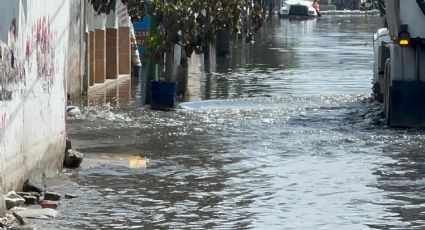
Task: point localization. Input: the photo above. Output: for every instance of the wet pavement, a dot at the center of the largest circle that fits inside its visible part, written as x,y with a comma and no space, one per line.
285,137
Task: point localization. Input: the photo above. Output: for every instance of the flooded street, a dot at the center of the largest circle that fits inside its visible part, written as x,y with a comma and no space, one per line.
282,135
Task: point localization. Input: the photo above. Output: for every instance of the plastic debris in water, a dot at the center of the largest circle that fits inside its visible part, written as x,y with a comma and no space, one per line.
138,162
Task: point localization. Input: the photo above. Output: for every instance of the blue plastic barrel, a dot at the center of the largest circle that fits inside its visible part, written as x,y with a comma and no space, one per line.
163,95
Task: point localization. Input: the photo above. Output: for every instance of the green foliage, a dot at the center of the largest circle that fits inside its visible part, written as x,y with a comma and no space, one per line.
154,44
136,8
191,23
194,23
103,6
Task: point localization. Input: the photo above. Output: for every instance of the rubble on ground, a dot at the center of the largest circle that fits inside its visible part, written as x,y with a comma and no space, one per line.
36,213
30,186
52,196
34,202
70,196
12,200
73,158
8,221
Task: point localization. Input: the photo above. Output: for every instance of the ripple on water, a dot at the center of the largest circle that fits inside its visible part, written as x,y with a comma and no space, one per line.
290,140
243,165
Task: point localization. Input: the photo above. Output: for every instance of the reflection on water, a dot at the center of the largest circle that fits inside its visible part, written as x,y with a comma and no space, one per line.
299,57
290,140
116,93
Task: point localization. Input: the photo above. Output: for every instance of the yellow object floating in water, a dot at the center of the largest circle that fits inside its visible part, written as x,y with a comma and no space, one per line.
138,162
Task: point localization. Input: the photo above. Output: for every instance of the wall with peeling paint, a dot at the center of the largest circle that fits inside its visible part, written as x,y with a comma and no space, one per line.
34,39
76,50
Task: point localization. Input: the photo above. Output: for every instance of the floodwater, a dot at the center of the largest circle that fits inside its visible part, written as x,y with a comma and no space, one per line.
282,135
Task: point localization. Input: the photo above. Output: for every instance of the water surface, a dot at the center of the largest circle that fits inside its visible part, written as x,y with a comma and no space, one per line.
283,135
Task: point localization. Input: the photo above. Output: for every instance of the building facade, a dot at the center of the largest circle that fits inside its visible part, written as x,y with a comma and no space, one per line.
108,47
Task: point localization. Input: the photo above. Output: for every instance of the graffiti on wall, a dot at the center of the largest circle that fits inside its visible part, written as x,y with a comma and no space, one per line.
12,69
40,42
9,72
14,62
13,29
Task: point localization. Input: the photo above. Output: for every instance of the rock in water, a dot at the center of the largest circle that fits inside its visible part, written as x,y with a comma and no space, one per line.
68,145
52,196
7,222
73,111
37,213
70,196
23,194
72,159
19,218
12,200
49,204
29,186
29,194
30,199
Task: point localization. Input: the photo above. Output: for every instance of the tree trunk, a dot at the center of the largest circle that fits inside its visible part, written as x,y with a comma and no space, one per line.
182,76
169,55
223,43
169,65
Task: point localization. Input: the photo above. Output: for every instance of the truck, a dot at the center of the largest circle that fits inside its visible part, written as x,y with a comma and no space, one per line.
399,63
366,4
297,9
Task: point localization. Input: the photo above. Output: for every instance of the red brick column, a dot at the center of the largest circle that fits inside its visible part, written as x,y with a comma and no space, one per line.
112,69
100,56
91,58
124,50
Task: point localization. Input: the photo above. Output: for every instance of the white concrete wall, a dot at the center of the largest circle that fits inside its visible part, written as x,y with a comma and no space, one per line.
76,50
115,19
122,15
99,21
32,119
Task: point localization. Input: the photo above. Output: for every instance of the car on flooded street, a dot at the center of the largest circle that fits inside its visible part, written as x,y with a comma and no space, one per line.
301,9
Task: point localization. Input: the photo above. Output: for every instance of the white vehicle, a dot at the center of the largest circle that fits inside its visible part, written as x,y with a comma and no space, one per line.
297,9
366,4
399,75
381,53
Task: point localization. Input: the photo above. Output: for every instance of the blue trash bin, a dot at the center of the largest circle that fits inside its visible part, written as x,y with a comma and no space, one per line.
163,95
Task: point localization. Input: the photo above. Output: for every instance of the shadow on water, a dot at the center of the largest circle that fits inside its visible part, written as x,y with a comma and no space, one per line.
288,139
